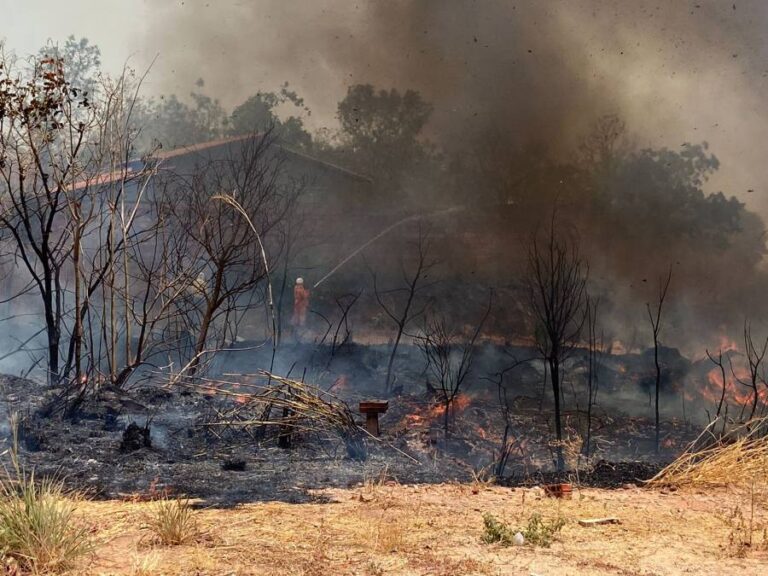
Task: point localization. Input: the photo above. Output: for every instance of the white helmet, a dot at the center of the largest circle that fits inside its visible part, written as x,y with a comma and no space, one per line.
299,280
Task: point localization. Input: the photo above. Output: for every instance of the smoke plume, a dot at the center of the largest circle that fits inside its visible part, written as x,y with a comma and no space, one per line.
512,71
504,75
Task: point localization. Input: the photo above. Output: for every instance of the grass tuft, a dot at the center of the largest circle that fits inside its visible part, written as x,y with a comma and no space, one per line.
172,521
38,528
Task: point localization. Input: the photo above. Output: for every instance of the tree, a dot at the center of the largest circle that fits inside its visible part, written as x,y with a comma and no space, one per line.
719,363
221,253
63,206
404,306
45,124
81,60
259,112
755,355
172,123
655,320
595,345
556,280
381,131
605,145
449,360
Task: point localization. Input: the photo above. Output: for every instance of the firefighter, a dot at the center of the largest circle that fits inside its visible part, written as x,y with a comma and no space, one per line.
300,303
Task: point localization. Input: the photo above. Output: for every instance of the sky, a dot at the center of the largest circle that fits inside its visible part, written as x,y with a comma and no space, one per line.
678,71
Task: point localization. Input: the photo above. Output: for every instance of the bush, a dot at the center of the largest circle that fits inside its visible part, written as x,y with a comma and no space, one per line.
38,532
496,531
538,532
173,521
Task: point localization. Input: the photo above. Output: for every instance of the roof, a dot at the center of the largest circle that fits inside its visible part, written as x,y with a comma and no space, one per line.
184,150
326,164
136,167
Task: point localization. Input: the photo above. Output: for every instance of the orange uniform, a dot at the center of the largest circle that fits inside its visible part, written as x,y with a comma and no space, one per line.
300,305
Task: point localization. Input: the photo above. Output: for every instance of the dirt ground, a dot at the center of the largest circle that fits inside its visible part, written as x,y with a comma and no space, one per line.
383,528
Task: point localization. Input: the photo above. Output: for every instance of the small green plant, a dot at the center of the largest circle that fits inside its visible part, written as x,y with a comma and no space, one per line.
496,531
38,529
538,532
173,522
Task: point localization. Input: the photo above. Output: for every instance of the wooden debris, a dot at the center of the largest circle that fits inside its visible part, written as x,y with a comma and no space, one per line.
599,521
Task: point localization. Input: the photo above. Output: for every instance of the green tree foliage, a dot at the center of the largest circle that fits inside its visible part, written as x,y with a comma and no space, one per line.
259,113
82,61
171,122
660,191
381,132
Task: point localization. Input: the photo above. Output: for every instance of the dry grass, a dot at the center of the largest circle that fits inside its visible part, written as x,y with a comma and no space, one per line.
437,530
39,528
289,405
172,521
738,459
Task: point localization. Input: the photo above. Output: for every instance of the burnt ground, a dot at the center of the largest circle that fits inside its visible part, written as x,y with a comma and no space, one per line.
188,453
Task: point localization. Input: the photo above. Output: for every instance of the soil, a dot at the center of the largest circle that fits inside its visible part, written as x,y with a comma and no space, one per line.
383,527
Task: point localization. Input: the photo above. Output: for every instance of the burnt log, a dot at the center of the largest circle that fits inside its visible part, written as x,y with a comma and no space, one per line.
135,438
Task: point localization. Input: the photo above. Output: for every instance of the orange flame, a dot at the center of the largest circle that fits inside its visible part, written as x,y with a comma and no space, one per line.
460,403
735,391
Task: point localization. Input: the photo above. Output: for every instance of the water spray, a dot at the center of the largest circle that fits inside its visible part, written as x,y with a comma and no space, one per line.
383,233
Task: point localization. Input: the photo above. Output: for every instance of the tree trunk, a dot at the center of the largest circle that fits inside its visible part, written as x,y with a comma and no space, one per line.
78,335
446,417
391,362
52,331
201,339
658,388
590,387
554,369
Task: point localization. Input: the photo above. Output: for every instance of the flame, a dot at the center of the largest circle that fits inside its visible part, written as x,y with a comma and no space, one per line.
618,348
735,391
460,403
727,345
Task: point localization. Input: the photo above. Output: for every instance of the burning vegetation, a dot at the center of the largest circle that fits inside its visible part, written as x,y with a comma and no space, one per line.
220,305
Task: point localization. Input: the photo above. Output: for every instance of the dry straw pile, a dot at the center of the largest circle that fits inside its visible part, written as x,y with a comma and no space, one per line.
738,458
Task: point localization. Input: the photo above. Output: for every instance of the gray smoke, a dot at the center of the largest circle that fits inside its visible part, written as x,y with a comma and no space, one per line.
510,71
504,74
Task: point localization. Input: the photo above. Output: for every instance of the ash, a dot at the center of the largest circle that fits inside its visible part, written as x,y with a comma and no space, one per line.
223,465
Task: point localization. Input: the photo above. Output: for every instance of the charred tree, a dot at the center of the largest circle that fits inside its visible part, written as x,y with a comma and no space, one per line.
655,320
594,351
719,363
405,306
44,122
63,166
508,443
223,256
556,280
449,360
755,355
